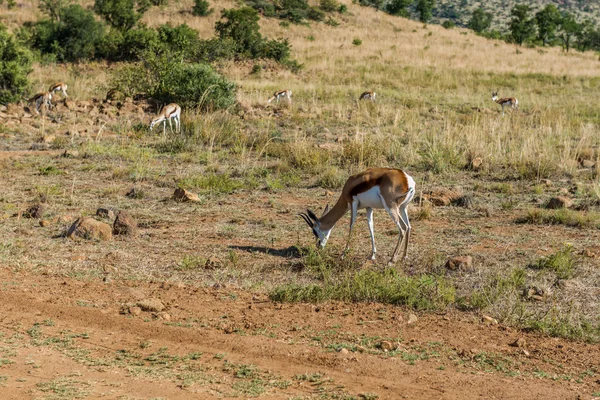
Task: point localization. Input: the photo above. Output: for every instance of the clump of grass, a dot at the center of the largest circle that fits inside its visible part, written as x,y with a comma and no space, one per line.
562,216
332,178
211,183
424,292
190,262
562,263
497,286
50,170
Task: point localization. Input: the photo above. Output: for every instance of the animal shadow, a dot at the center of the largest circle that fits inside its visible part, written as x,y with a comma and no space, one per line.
288,252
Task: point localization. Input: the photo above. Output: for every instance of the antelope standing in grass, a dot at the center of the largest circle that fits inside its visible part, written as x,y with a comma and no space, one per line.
505,101
387,188
41,100
280,94
368,95
59,87
169,112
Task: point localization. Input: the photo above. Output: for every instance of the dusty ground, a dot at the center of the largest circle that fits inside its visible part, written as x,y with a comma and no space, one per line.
70,327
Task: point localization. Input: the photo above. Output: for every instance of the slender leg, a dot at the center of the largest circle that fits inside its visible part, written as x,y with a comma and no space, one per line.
352,221
164,127
404,216
400,224
171,124
370,222
178,123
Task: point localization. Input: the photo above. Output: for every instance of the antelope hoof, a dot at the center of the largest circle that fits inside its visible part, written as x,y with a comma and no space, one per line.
391,263
373,257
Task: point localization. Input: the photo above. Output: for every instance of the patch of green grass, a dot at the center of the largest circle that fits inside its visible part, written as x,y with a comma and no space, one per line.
562,216
562,263
496,287
190,262
211,183
64,388
50,170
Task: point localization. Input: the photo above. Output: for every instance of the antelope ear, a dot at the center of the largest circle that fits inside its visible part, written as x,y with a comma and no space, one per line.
326,210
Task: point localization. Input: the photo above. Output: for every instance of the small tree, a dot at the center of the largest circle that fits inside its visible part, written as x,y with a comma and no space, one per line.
522,26
52,7
15,65
241,25
480,20
547,20
121,14
399,7
569,28
201,8
425,9
586,36
329,5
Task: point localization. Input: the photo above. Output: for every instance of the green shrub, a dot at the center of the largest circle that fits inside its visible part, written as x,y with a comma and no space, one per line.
136,41
329,5
448,24
15,65
121,14
562,263
77,36
315,14
241,25
201,8
356,42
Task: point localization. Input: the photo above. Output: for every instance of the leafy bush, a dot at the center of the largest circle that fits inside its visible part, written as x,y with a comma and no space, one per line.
329,5
201,8
168,80
241,25
77,36
121,14
448,24
15,65
356,42
315,14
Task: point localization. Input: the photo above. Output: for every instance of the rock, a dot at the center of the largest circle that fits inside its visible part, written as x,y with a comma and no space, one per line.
89,228
35,211
124,224
212,263
152,305
105,213
588,164
44,223
476,163
135,311
442,196
488,319
163,315
463,201
534,293
183,195
546,182
107,279
386,345
462,263
134,193
520,342
412,318
559,202
344,350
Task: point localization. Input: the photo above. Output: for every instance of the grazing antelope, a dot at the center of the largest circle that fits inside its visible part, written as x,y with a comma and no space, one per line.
168,112
59,87
505,101
281,94
387,188
367,96
41,100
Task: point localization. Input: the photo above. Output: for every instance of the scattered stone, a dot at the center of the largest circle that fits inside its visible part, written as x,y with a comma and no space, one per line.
412,318
588,164
520,342
228,329
212,263
35,211
476,163
463,201
525,352
107,279
386,345
546,182
44,223
460,263
343,350
105,213
89,228
124,224
164,315
134,193
135,311
152,305
559,202
183,195
488,319
534,293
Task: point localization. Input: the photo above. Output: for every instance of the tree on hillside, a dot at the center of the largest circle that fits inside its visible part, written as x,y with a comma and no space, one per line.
399,7
52,7
241,25
522,27
15,65
587,37
121,14
547,20
480,20
568,28
424,9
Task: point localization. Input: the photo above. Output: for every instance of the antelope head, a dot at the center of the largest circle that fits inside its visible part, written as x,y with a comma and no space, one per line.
494,95
313,222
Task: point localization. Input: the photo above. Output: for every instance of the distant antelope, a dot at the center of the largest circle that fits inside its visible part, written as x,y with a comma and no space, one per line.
281,94
59,87
387,188
168,112
41,100
367,96
505,101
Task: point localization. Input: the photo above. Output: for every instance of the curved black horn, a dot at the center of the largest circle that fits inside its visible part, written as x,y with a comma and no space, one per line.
312,216
307,219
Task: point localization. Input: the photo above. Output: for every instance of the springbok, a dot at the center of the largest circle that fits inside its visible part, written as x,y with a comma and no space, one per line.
367,96
280,94
168,112
387,188
505,101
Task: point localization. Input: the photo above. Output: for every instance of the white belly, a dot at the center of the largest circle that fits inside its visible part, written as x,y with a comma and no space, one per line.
369,199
